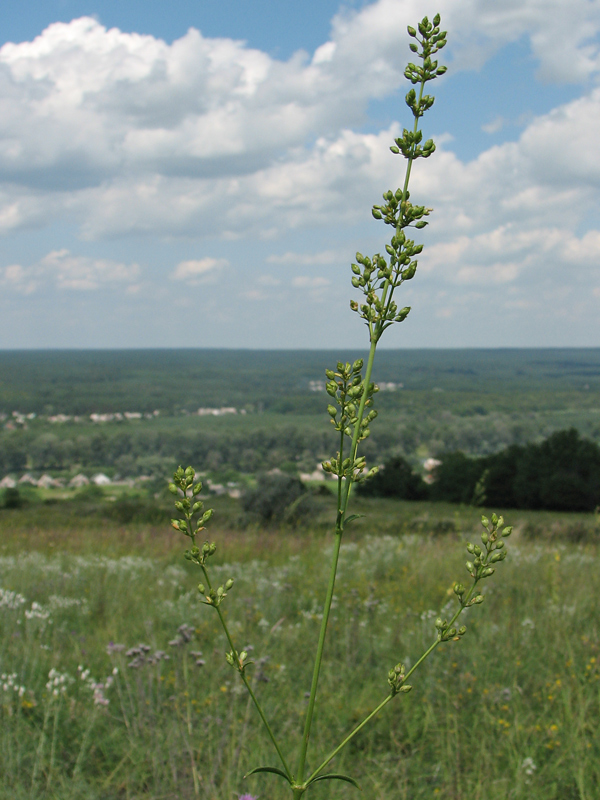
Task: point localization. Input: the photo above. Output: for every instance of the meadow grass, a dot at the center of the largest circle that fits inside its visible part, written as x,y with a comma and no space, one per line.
511,711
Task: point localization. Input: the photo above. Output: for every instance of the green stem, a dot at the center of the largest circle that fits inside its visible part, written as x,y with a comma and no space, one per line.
247,685
343,496
320,647
384,702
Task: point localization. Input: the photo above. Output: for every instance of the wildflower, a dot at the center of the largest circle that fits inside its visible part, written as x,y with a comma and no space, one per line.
528,766
184,636
139,656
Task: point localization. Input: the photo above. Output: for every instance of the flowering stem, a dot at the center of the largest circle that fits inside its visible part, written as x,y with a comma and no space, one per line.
384,702
344,486
247,683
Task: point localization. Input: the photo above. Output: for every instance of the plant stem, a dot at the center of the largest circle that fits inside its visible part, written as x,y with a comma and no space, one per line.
343,498
384,702
247,684
320,647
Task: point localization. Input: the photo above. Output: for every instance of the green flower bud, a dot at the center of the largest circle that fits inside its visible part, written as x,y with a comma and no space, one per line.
459,589
462,630
470,547
406,688
228,584
476,601
411,31
507,531
485,537
487,572
332,411
173,489
413,47
201,588
485,522
470,567
498,557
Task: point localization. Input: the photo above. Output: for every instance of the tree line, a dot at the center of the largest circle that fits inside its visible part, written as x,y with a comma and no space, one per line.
561,473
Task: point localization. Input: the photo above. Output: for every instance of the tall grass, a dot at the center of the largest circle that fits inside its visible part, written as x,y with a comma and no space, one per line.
518,719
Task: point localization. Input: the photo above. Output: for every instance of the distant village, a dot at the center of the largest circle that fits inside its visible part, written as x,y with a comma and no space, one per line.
100,479
18,420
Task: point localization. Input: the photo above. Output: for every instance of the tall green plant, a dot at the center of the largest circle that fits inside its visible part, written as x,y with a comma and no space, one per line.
378,278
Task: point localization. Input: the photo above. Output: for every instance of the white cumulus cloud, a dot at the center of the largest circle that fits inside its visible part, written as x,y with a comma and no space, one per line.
196,271
67,271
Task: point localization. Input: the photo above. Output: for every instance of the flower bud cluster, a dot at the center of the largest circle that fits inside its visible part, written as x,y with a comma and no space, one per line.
446,631
185,488
432,40
379,309
377,279
401,213
492,552
396,680
238,660
214,597
347,388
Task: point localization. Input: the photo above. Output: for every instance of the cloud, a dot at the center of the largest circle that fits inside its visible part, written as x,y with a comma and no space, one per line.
495,125
307,282
306,259
119,134
89,114
195,272
69,272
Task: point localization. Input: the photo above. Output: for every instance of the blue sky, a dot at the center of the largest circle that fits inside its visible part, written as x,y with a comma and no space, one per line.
201,174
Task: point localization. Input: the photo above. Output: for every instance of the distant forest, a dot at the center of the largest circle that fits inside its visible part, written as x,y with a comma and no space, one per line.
82,382
478,402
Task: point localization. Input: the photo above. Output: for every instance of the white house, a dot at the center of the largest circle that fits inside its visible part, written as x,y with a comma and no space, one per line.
101,479
79,480
48,482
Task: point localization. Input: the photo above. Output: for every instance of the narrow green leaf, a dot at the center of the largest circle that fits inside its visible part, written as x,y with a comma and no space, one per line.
352,517
332,776
274,770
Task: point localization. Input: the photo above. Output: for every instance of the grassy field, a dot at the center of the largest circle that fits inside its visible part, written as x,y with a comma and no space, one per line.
511,711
